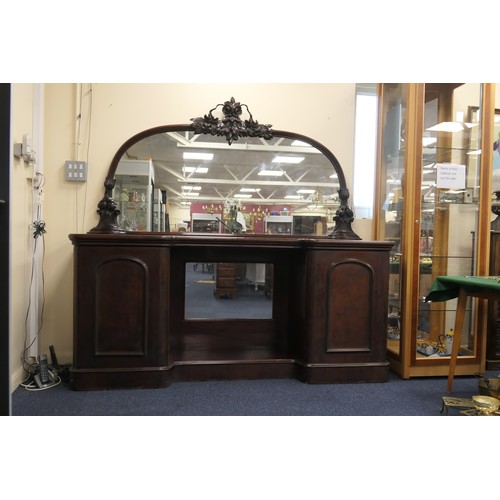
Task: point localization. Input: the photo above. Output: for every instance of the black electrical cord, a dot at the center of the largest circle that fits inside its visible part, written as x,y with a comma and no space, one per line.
38,228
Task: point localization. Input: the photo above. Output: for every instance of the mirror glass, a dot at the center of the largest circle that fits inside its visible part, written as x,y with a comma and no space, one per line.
177,180
224,290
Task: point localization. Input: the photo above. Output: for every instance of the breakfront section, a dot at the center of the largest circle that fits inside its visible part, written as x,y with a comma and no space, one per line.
433,201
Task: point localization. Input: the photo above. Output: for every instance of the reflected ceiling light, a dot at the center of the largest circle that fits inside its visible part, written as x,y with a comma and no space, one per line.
288,159
241,195
198,156
249,190
198,170
296,142
191,188
189,194
293,197
427,141
334,176
186,203
475,152
275,173
446,127
306,191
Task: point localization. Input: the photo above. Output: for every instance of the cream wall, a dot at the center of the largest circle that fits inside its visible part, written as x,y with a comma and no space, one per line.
110,114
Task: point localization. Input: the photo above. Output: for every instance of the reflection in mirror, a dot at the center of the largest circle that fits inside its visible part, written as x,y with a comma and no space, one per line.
224,290
182,180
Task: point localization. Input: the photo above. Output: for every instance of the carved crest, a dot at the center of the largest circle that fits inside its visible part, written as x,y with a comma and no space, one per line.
231,126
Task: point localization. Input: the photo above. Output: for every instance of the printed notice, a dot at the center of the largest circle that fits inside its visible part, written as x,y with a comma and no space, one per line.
450,176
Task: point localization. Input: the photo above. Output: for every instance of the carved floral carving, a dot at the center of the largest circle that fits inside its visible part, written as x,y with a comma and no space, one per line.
231,126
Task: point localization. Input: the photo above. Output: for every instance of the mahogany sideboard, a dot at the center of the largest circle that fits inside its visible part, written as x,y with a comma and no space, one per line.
328,324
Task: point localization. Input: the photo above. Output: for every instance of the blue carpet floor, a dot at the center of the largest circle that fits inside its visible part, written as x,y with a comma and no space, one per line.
397,397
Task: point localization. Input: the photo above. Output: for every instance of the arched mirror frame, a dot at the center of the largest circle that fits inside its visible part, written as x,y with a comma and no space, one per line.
107,207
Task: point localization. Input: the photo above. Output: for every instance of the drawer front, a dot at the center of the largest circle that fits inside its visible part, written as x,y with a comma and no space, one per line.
225,283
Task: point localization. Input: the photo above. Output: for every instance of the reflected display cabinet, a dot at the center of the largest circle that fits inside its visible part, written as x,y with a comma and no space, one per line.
134,193
433,201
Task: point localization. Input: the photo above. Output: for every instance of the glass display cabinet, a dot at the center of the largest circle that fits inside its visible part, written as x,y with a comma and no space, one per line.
159,213
206,223
278,224
433,201
134,193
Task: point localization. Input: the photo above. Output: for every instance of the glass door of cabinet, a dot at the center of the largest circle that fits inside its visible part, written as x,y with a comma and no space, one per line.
392,123
433,202
449,208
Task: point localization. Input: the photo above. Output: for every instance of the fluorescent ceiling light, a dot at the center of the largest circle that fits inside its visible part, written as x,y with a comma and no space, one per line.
446,127
293,197
475,152
288,159
296,142
190,194
249,190
275,173
198,170
306,191
198,156
191,188
240,195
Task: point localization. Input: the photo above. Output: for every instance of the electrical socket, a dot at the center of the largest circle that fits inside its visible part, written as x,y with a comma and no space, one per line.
75,171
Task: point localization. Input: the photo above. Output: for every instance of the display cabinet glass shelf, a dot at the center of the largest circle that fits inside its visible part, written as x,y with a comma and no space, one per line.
433,201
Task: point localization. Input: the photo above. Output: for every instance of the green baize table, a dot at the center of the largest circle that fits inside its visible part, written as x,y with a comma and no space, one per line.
450,287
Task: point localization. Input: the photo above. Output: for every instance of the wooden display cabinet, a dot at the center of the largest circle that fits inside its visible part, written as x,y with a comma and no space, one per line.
428,200
225,280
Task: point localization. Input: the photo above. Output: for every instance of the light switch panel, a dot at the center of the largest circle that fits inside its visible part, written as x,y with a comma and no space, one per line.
75,171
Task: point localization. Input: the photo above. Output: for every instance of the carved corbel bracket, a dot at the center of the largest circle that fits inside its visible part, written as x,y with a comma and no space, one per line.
343,219
107,210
